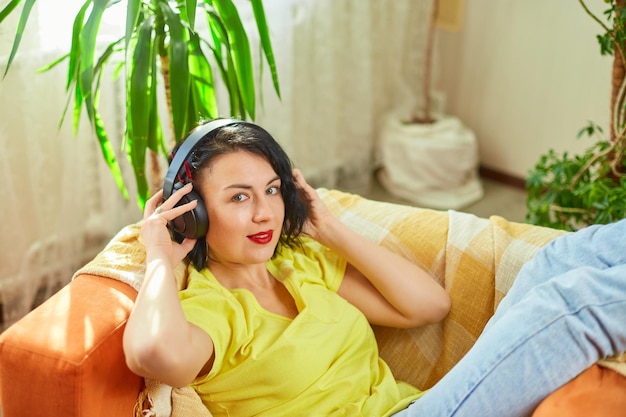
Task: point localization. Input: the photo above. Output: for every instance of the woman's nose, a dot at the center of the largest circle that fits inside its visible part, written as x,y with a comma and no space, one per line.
262,209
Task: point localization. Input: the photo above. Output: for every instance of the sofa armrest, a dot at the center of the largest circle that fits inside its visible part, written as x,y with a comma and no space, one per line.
597,392
65,358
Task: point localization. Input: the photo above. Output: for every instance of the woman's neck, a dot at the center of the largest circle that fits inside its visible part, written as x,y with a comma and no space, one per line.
271,294
242,276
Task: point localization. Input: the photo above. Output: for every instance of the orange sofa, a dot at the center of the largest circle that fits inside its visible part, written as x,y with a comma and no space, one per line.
65,358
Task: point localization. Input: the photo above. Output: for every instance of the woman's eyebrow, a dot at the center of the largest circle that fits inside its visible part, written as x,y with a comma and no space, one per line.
276,178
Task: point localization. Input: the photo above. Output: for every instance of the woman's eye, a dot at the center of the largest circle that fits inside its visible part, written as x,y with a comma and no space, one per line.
273,190
239,197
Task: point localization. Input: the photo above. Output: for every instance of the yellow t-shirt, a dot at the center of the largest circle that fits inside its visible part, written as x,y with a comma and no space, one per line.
324,362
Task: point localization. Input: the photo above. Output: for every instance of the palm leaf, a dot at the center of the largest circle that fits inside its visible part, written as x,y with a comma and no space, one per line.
74,55
137,103
155,137
192,118
266,44
53,64
179,69
88,37
28,6
239,51
132,16
8,9
224,64
155,134
202,85
190,11
78,105
237,95
106,147
140,78
218,34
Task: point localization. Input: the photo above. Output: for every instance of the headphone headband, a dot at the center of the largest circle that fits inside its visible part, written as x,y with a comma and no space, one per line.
188,145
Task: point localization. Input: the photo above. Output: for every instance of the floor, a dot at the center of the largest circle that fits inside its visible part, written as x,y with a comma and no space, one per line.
499,199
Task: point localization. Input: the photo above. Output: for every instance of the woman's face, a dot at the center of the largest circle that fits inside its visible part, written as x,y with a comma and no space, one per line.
241,192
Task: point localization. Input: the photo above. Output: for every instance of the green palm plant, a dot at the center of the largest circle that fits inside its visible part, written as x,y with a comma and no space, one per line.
160,44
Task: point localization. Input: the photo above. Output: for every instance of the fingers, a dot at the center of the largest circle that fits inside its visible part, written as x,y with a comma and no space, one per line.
171,214
187,245
298,177
303,186
152,203
168,208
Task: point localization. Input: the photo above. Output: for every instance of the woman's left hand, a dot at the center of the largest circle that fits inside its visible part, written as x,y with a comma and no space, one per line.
319,215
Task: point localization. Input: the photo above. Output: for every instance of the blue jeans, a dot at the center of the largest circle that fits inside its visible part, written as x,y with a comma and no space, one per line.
566,310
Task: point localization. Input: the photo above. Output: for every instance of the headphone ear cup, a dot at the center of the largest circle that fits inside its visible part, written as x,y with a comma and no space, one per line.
193,224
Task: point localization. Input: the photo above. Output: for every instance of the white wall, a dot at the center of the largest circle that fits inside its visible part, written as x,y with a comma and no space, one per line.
525,76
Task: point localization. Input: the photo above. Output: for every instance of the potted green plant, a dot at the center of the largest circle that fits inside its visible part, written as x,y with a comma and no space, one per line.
161,46
573,191
429,158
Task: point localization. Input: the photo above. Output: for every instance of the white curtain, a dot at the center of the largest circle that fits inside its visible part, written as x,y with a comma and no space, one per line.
341,65
59,204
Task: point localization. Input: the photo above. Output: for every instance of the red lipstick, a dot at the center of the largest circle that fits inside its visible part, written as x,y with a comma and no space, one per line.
262,238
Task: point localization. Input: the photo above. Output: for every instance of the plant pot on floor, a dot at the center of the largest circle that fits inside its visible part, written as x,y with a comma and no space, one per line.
430,165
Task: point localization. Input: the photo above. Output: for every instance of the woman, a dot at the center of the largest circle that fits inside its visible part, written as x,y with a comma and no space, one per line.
274,322
272,327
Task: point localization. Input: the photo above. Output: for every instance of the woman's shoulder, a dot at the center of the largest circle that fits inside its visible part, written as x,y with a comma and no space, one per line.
203,281
306,246
308,261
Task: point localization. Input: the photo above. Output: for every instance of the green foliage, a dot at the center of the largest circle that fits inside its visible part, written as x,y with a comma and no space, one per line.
570,192
160,36
617,34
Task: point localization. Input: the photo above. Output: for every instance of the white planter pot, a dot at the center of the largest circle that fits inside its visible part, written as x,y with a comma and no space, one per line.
430,165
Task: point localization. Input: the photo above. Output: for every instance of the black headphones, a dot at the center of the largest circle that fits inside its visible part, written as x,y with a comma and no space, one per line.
193,224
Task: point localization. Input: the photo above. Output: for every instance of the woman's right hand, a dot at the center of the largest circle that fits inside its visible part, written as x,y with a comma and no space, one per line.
159,343
154,231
